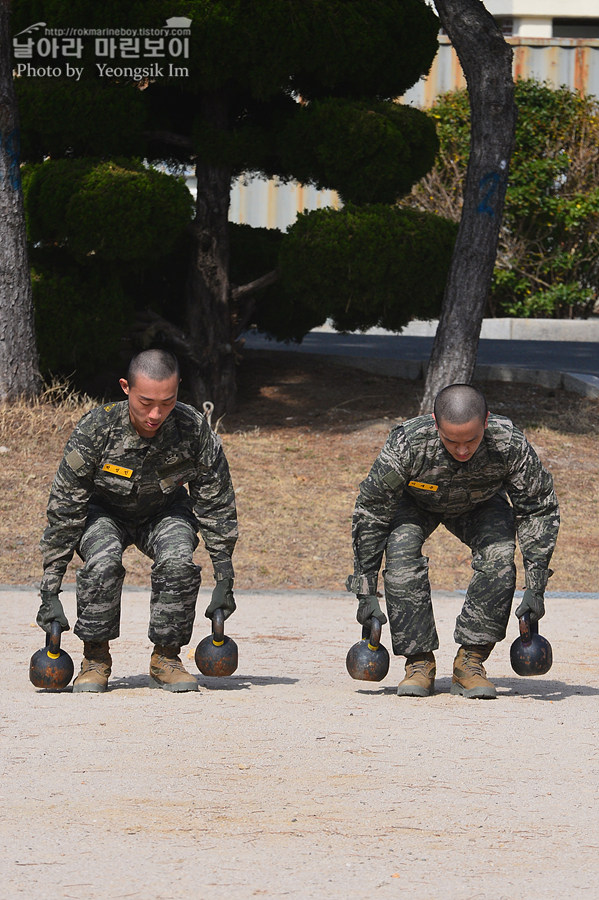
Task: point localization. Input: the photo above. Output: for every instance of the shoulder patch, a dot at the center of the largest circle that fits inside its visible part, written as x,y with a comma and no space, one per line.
109,406
392,479
75,460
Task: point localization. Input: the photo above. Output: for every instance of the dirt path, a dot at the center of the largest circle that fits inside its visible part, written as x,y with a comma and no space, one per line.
290,779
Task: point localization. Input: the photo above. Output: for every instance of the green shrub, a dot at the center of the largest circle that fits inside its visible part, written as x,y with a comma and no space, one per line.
368,152
115,210
368,266
62,117
80,318
560,301
549,242
254,252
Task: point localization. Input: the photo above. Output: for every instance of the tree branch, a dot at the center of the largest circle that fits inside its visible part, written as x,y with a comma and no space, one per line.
245,304
252,286
149,327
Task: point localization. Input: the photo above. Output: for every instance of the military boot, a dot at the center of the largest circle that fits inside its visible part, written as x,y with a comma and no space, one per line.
419,680
469,676
95,668
167,671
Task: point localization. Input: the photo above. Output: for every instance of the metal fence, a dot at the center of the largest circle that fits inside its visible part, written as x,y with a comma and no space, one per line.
560,61
272,204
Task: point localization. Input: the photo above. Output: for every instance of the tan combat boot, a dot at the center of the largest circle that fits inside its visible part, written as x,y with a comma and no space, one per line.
95,668
419,680
469,676
167,671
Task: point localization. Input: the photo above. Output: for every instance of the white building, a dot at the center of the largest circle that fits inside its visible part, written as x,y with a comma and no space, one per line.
546,18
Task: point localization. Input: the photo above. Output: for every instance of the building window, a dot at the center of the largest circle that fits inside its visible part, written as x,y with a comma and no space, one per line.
506,24
576,28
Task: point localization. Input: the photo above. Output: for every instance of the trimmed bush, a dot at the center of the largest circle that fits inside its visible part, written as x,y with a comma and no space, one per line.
368,266
116,210
80,317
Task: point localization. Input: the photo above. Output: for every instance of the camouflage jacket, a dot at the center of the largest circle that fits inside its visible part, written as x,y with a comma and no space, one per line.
135,479
415,461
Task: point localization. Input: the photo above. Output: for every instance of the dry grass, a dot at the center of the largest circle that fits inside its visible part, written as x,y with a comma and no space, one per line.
305,435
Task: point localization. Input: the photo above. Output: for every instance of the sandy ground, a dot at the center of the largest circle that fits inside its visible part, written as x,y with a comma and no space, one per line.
291,779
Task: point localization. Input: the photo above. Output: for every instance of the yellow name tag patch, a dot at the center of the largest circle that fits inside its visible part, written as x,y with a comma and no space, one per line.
117,470
423,486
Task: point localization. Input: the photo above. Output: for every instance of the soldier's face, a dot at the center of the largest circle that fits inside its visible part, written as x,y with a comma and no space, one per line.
461,441
150,402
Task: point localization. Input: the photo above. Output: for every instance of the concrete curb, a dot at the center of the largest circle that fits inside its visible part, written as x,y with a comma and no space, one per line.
505,329
509,329
415,370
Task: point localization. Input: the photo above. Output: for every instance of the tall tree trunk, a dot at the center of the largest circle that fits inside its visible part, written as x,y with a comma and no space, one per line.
487,63
208,311
19,374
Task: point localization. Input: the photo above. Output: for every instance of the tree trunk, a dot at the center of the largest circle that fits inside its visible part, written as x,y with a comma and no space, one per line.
208,311
487,63
19,374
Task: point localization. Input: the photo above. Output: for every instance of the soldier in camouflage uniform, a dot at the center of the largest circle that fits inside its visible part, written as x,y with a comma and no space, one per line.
121,482
475,473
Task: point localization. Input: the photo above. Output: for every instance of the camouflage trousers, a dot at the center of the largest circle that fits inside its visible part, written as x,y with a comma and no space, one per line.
175,578
489,531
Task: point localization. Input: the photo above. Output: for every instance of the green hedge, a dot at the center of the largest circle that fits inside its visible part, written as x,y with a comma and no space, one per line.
116,210
368,266
80,318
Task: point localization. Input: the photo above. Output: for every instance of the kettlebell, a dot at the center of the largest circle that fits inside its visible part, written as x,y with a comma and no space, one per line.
50,667
368,660
530,654
217,654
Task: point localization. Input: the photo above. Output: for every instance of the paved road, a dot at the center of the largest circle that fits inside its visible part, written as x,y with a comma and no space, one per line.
562,356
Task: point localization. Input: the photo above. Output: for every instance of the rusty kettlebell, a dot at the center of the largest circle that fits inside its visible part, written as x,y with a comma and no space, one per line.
368,660
51,668
217,654
530,654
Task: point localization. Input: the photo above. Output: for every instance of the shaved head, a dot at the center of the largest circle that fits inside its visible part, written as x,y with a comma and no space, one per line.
457,404
158,365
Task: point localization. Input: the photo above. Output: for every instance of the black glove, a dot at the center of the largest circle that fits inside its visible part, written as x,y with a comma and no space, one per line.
369,607
51,611
222,598
534,603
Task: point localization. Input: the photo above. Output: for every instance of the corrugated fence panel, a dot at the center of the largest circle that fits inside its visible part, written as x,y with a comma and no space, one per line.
560,61
271,204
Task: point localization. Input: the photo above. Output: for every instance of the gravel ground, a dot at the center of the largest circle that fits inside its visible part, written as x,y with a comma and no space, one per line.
290,779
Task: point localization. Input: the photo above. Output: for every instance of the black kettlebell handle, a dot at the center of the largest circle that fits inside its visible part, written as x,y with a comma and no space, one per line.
371,631
218,628
527,628
53,639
